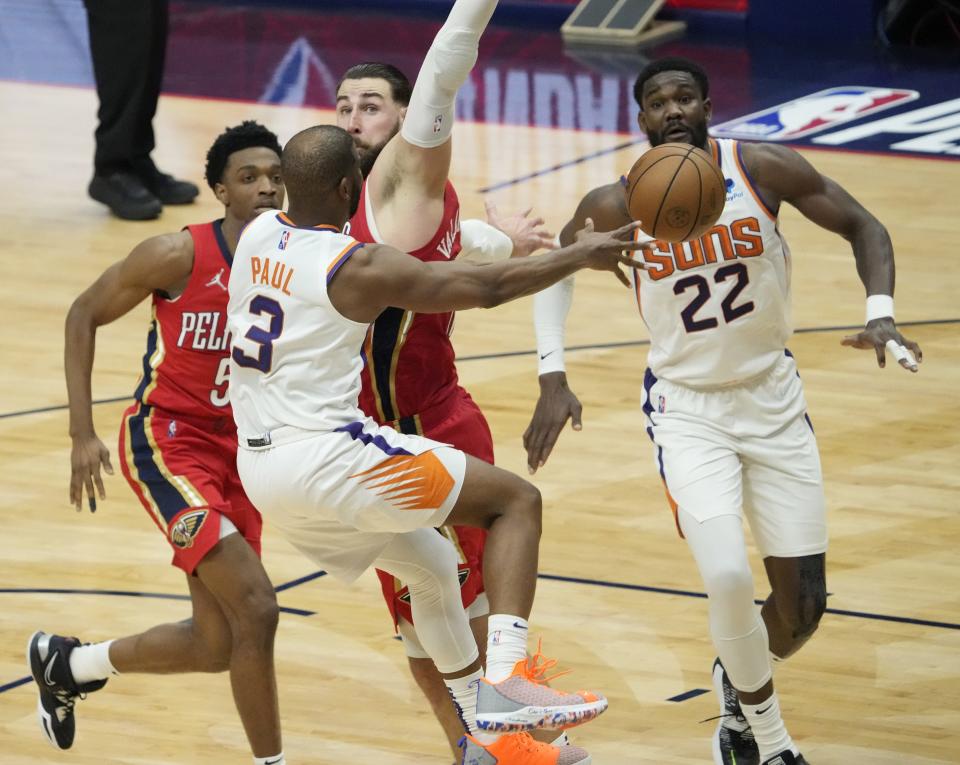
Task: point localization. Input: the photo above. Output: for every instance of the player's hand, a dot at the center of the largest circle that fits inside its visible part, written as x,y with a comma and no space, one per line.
556,405
881,335
606,249
86,457
527,234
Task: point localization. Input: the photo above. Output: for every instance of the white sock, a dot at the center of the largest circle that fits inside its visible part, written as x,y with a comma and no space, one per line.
276,759
91,662
768,728
506,645
463,691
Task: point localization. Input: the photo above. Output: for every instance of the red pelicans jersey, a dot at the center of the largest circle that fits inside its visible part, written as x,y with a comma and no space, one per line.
186,365
409,360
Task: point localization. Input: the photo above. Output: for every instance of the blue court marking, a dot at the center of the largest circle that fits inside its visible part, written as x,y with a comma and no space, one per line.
131,594
16,684
687,695
507,354
301,580
561,166
703,595
127,594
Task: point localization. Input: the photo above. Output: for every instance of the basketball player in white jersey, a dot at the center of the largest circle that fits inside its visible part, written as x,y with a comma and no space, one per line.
722,399
349,493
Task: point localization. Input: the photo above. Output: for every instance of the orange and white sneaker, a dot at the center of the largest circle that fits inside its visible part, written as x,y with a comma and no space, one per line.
520,749
523,701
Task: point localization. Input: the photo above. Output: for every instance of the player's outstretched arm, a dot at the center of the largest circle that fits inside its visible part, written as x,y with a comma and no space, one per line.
557,403
786,176
160,263
378,276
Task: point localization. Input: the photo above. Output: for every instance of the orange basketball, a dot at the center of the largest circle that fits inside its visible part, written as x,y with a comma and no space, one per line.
677,192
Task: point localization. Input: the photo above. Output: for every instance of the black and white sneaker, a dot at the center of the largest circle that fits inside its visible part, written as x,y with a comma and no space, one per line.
786,758
733,741
49,660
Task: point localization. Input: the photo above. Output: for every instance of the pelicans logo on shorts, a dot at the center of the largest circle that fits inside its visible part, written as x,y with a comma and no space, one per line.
187,527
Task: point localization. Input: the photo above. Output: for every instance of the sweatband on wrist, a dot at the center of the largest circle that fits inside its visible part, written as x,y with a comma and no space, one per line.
879,307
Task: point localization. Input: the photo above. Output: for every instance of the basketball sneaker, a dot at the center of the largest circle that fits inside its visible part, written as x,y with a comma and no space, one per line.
523,701
520,749
49,660
733,741
786,757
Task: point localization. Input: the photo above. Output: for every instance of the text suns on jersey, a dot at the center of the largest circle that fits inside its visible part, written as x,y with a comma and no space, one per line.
740,239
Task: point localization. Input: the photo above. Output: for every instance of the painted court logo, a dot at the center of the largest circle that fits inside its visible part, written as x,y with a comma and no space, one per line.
183,532
814,113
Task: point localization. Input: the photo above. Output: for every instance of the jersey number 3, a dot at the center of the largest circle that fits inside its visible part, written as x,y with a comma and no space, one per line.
263,337
731,312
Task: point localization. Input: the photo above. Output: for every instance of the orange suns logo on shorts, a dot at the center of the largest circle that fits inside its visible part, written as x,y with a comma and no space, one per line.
187,527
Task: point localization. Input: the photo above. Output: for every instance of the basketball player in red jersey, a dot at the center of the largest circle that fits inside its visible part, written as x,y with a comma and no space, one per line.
410,378
178,447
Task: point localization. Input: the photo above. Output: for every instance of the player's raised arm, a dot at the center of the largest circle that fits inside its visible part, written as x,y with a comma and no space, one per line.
786,176
161,263
420,155
379,276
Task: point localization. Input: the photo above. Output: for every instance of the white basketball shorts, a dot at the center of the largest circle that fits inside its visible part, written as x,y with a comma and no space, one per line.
341,496
747,450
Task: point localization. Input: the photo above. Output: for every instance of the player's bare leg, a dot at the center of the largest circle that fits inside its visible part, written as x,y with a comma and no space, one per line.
797,601
511,510
233,625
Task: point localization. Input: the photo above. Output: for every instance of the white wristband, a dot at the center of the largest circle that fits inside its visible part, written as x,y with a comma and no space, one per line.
879,307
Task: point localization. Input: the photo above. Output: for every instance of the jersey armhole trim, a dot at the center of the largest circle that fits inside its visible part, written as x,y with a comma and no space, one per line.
741,166
342,258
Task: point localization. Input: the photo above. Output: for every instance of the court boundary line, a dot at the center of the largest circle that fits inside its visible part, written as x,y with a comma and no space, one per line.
547,577
529,352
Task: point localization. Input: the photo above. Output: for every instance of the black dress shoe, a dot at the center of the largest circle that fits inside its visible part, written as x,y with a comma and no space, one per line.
126,196
165,187
171,191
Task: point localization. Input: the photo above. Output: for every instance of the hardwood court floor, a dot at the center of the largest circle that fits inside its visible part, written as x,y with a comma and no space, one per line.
865,690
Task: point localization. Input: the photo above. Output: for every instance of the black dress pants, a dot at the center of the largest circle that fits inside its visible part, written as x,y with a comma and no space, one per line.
128,42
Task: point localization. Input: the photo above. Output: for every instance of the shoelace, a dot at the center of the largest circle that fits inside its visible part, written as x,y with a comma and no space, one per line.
537,666
527,743
736,716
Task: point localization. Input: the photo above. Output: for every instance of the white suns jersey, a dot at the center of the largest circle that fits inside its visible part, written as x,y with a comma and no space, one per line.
718,308
295,360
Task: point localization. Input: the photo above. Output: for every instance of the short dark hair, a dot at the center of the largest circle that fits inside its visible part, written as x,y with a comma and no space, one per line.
316,159
247,135
671,64
400,88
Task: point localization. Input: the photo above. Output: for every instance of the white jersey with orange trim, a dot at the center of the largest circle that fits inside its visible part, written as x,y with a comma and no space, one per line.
718,308
295,359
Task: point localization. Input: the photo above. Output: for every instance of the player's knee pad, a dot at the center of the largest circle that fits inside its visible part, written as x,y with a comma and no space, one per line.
730,591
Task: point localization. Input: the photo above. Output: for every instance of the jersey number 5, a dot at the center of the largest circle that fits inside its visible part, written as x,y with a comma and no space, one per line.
263,337
731,312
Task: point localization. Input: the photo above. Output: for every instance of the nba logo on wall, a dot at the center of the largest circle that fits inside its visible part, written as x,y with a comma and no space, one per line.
814,113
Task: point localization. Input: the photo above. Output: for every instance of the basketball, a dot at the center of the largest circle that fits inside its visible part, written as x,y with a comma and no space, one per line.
677,192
